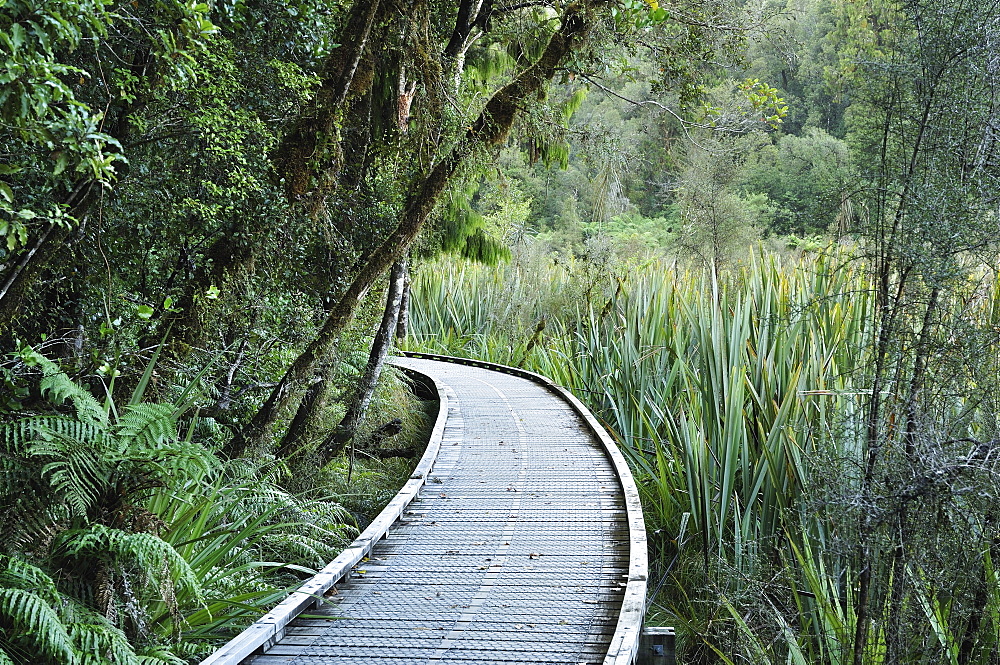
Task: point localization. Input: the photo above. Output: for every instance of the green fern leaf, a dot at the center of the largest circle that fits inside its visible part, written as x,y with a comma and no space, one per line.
159,656
57,388
33,618
19,574
155,558
180,459
78,472
148,425
98,642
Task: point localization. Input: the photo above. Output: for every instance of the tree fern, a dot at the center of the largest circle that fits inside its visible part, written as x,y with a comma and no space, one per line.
152,556
72,482
28,606
147,535
148,425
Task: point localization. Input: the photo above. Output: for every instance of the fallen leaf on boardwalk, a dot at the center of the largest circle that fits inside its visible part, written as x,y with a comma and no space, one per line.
443,495
534,555
361,572
483,567
563,622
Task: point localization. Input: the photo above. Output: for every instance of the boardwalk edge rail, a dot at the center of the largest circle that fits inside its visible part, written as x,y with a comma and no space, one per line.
624,645
270,628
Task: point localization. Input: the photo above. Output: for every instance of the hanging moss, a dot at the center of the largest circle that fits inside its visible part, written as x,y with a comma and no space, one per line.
556,153
485,249
485,64
572,105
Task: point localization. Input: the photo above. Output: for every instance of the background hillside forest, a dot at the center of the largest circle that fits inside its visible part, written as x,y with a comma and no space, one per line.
758,237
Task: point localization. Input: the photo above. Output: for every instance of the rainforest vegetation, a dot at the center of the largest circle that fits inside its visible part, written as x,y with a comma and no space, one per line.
759,238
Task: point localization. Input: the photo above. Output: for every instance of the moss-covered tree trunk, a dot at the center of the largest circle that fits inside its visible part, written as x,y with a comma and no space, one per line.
358,406
488,131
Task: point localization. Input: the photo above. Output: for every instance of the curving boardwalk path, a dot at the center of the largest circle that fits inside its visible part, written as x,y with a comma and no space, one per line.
518,547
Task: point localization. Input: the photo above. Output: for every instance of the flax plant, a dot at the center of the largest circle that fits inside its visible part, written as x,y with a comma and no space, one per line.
724,385
739,400
716,387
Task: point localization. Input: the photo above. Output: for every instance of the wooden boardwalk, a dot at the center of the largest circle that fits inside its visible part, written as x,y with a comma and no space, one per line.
519,544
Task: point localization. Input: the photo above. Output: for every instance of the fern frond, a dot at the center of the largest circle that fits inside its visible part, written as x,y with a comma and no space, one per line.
17,573
76,470
5,659
35,619
57,387
158,656
179,459
18,435
154,557
148,425
98,642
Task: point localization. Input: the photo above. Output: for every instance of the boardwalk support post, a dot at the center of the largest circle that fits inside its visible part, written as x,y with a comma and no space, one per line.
656,646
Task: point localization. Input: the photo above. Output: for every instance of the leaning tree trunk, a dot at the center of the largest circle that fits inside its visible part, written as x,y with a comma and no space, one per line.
489,130
24,273
313,404
348,427
403,323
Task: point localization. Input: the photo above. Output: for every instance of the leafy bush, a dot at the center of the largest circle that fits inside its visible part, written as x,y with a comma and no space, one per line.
124,542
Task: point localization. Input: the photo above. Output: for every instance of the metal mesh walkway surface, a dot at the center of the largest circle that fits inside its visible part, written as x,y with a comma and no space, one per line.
515,550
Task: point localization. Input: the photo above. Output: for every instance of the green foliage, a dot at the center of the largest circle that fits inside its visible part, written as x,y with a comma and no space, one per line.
737,401
155,546
54,134
243,539
807,178
716,223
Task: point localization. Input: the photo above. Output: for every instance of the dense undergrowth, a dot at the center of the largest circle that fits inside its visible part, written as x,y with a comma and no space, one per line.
740,399
128,539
